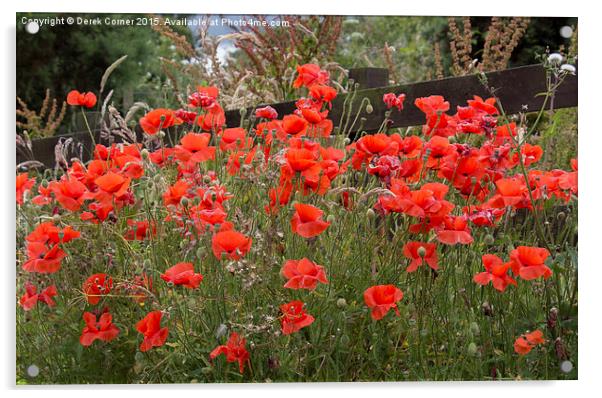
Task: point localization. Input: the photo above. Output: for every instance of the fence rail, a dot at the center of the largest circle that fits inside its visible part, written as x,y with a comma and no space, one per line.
516,88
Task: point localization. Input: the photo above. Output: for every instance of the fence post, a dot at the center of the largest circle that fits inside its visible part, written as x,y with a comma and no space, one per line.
370,77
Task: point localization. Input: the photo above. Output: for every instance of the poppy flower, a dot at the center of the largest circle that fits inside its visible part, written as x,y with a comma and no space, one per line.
140,230
303,274
76,98
294,318
420,253
234,350
231,243
150,327
528,262
381,298
294,125
113,184
307,221
70,193
234,138
31,297
391,100
310,74
43,259
194,148
158,119
266,112
183,274
496,272
174,193
96,286
322,93
455,230
525,343
24,184
103,330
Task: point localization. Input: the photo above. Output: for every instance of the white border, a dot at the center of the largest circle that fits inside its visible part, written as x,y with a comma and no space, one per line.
590,154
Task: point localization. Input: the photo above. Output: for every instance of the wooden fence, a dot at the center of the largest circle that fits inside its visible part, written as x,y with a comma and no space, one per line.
516,88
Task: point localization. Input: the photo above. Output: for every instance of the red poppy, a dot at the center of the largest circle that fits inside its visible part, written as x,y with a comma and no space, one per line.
140,230
97,286
76,98
231,243
31,297
234,350
303,274
183,274
150,327
307,221
294,125
322,93
381,298
43,259
455,230
174,193
103,330
528,262
294,318
24,184
496,272
70,193
391,100
310,74
420,253
266,112
112,183
525,343
195,148
235,138
158,119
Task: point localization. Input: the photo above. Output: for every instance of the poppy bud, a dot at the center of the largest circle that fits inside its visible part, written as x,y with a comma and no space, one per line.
474,328
369,108
242,112
161,134
370,214
184,201
472,349
489,240
144,154
421,251
206,179
347,141
344,339
330,218
45,183
56,218
341,303
452,139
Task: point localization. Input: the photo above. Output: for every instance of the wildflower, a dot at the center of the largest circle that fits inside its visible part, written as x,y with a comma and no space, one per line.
310,74
555,58
194,148
103,330
43,259
307,221
96,286
158,119
568,68
266,112
496,272
24,184
75,98
150,327
455,230
381,298
183,274
31,297
231,243
294,318
140,230
391,100
303,274
528,262
525,343
420,253
234,350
